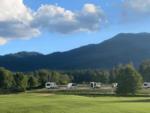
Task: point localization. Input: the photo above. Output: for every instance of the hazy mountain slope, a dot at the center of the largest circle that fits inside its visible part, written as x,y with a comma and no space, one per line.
122,48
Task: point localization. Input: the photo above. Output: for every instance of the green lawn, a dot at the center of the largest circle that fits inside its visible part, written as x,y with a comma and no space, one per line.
44,103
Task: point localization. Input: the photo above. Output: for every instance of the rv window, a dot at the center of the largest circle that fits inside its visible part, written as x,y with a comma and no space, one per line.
48,84
73,84
145,84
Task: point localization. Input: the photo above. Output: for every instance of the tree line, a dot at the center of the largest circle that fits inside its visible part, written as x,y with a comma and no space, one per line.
19,81
124,75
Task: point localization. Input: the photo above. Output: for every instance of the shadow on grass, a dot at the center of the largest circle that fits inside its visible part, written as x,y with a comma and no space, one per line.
97,93
124,96
136,101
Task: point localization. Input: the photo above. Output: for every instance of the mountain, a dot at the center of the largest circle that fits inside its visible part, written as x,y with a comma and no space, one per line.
24,54
122,48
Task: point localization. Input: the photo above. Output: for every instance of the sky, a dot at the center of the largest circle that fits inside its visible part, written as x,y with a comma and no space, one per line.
48,26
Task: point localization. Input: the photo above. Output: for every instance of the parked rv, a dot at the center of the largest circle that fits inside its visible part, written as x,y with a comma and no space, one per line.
146,85
51,85
95,84
71,86
114,85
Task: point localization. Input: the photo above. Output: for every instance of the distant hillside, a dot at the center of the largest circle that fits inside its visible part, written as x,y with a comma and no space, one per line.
122,48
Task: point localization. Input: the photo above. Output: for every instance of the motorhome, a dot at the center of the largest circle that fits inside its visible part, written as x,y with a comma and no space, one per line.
95,84
146,85
71,86
51,85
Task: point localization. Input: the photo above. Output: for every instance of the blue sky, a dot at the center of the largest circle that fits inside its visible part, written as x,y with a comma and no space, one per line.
118,16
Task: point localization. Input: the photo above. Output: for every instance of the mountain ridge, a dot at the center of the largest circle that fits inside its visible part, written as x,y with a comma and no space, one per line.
122,48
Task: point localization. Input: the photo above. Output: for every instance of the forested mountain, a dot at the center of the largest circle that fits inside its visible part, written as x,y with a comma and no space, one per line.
122,48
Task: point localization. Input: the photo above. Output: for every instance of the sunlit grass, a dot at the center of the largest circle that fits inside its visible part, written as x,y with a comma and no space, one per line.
47,103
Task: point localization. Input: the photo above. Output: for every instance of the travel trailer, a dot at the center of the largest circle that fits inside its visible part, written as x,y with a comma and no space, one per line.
71,86
95,84
146,85
51,85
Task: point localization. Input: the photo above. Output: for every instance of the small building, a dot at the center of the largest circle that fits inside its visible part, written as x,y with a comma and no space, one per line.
51,85
146,85
95,84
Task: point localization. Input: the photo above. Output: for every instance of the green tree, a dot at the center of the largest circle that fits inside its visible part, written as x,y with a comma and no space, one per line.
145,70
21,81
101,76
54,76
43,76
64,79
113,74
129,80
105,76
32,82
6,79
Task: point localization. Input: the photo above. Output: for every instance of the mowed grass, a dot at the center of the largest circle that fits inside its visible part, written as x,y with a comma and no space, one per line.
47,103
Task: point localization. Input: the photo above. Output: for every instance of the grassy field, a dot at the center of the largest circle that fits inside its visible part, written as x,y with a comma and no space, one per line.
50,103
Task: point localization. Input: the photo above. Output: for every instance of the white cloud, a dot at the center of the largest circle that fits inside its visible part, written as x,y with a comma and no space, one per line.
141,6
3,41
19,21
17,29
15,19
14,10
90,8
57,19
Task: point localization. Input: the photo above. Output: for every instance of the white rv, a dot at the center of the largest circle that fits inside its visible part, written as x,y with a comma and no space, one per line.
146,85
71,86
51,85
114,85
95,84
